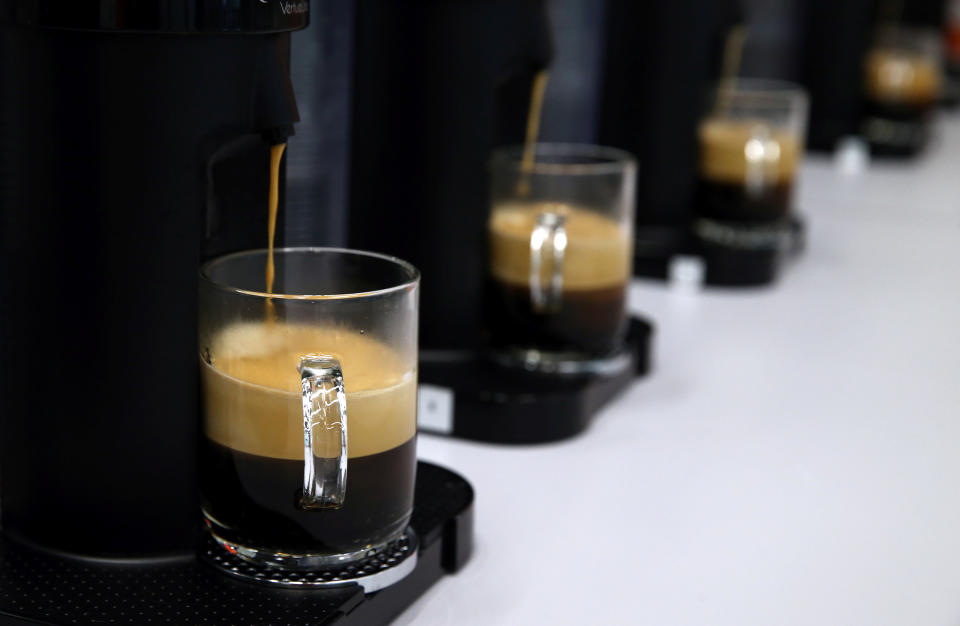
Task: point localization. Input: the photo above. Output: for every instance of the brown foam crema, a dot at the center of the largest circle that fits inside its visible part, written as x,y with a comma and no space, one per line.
738,151
902,77
597,254
252,400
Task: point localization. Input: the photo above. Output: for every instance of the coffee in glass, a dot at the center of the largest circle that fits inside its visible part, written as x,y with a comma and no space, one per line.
250,449
750,147
283,387
747,169
560,254
902,85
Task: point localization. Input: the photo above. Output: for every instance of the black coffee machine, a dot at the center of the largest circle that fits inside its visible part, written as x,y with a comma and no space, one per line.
133,146
660,61
438,85
134,143
833,67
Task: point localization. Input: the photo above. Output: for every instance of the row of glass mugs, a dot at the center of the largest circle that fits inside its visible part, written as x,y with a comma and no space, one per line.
309,410
308,454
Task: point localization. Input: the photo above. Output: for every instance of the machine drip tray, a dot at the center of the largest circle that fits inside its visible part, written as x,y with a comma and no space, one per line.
738,255
468,396
39,588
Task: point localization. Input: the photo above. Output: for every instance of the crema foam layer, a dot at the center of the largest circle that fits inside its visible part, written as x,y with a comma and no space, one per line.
902,77
597,254
732,151
252,400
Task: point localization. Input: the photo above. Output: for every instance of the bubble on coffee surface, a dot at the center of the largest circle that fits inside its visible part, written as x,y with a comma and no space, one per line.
902,77
252,400
597,254
737,150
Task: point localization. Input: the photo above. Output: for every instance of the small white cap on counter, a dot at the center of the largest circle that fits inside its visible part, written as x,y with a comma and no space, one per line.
685,273
852,155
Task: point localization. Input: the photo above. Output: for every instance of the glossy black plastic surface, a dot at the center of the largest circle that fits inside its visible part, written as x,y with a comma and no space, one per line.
161,16
124,161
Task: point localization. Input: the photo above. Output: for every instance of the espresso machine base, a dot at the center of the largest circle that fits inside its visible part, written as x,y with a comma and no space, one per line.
896,140
749,257
464,396
40,588
732,258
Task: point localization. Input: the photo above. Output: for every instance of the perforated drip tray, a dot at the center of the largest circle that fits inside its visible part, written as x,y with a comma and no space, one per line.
37,587
381,568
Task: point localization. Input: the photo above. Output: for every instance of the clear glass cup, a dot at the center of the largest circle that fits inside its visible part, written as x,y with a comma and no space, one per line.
903,68
751,143
560,235
308,447
903,80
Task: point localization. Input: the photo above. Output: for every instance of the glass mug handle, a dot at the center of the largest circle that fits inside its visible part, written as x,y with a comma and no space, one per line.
763,154
549,227
324,418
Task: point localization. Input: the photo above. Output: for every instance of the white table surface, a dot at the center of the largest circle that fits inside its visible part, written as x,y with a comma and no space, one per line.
794,458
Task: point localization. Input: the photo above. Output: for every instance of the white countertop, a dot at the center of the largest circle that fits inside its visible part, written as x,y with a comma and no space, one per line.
794,458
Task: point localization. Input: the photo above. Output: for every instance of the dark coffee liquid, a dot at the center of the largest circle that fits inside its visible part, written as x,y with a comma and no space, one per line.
256,500
899,111
723,200
902,89
252,456
896,129
746,170
590,321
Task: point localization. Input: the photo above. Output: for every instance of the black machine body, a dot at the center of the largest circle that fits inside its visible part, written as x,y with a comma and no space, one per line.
132,146
437,86
677,54
673,50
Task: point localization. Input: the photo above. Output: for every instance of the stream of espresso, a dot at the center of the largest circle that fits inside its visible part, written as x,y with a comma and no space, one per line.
533,129
273,201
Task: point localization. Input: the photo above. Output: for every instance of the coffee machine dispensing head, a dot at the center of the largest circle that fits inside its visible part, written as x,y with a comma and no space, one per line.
134,143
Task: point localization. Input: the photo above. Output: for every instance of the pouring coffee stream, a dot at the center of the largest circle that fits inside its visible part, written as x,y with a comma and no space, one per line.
273,202
537,91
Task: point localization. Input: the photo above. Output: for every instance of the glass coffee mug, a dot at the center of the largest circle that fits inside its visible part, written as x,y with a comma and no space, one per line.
308,453
902,87
560,256
751,145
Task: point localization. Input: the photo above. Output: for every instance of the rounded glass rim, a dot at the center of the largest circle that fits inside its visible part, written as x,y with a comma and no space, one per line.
609,160
412,272
766,88
912,38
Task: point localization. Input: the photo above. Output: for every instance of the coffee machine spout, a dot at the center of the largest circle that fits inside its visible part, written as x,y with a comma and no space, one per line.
276,105
277,135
